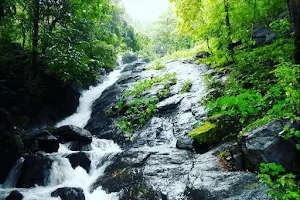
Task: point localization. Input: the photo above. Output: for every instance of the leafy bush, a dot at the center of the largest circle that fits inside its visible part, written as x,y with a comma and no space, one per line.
282,186
186,86
158,66
138,113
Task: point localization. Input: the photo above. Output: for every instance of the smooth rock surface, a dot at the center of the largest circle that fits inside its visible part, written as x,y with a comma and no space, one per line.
80,159
72,133
15,195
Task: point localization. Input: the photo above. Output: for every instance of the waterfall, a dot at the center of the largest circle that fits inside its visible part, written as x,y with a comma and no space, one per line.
61,173
14,174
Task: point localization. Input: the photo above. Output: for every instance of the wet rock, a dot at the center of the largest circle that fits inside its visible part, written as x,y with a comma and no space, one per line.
169,104
129,78
15,195
35,171
73,133
100,124
264,145
185,143
42,141
80,159
134,67
68,193
129,58
11,148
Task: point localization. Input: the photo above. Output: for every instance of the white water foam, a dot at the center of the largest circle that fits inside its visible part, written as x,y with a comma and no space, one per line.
83,113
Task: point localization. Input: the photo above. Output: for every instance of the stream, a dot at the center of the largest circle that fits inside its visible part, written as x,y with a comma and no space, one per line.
150,166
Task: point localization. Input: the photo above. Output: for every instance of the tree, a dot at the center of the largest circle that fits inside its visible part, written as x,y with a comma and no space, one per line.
294,13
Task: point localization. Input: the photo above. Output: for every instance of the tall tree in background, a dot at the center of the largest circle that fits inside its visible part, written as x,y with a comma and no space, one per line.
294,12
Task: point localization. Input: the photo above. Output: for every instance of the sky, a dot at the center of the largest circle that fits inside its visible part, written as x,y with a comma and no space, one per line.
145,11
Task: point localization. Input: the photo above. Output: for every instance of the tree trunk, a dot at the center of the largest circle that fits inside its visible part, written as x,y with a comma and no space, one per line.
294,12
35,39
227,21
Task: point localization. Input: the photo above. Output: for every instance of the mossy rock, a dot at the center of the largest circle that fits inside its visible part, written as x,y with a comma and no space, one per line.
205,134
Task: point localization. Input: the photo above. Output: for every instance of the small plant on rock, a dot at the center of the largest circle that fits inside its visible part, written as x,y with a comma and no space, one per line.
186,86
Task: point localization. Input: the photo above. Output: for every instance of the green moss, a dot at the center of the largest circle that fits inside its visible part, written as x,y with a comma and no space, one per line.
186,86
207,126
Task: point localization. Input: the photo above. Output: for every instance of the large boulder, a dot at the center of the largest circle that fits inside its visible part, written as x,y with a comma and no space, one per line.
263,35
264,145
185,143
42,141
73,133
80,159
14,195
129,58
169,104
68,193
35,171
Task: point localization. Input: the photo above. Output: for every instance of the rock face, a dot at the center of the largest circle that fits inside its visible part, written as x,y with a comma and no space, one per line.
264,145
72,133
69,193
15,195
80,159
35,171
160,162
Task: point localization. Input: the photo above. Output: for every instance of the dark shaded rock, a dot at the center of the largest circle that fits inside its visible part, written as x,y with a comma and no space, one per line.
202,54
11,148
6,121
15,195
185,143
125,175
67,193
73,133
134,67
263,35
100,124
270,38
42,141
264,145
80,159
35,171
169,104
129,78
129,58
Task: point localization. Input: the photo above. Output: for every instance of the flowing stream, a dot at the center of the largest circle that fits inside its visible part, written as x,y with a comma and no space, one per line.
62,174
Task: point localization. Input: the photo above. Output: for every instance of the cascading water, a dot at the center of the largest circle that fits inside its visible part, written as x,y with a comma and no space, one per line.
62,174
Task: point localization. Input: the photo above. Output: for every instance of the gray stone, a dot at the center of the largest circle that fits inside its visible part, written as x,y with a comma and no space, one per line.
72,133
15,195
170,103
264,145
185,142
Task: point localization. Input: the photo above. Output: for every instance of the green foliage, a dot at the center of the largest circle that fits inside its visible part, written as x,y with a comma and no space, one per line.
158,66
186,86
282,186
138,113
224,154
291,132
75,38
138,110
